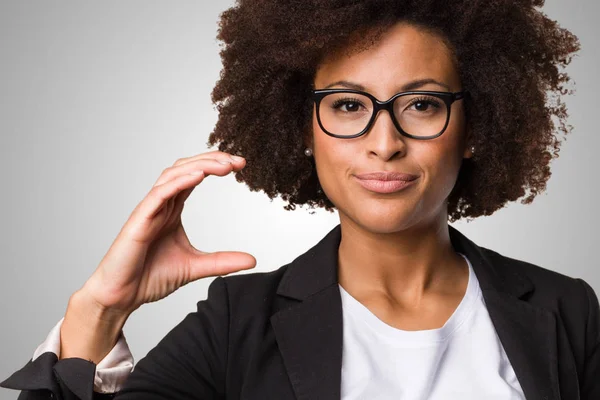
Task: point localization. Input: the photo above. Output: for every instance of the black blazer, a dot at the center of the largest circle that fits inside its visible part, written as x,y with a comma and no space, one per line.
278,335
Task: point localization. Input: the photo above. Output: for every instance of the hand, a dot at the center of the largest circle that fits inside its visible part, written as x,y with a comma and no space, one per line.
152,255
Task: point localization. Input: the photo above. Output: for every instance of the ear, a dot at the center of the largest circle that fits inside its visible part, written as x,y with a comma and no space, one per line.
468,142
307,138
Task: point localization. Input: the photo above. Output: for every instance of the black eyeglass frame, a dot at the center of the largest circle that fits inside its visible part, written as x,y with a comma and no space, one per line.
447,97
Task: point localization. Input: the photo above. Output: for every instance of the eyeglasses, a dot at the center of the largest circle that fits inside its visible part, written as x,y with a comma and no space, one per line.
348,113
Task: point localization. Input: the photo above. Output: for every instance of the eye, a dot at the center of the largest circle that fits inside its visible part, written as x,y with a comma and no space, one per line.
423,104
352,104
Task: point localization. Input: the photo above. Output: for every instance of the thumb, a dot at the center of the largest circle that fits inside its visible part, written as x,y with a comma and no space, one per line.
219,263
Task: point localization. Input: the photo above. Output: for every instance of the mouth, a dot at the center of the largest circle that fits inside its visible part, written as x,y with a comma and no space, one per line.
386,182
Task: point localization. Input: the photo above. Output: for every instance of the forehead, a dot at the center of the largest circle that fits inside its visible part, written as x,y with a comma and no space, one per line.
404,53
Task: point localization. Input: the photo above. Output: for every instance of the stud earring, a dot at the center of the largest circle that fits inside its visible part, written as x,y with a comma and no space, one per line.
308,152
473,149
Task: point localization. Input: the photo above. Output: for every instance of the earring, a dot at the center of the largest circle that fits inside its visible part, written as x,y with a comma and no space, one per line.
473,149
308,152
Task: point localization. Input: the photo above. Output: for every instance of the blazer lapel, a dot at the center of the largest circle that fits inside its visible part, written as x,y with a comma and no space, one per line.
527,332
309,327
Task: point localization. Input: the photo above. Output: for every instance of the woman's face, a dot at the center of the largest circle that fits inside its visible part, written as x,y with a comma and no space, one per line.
404,54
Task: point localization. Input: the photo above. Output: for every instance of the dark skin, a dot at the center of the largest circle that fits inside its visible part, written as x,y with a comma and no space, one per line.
395,256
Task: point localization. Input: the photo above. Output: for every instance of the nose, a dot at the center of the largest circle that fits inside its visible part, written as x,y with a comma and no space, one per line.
383,139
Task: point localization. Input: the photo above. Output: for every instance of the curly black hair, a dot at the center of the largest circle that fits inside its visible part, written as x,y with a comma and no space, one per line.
510,55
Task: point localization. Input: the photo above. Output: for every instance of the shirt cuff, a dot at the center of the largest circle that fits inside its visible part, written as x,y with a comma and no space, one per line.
111,372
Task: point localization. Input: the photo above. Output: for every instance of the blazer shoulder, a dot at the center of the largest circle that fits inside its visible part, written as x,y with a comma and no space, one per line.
571,298
250,293
544,279
255,281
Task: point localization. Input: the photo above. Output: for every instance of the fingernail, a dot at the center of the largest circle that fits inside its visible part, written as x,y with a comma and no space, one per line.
237,158
224,161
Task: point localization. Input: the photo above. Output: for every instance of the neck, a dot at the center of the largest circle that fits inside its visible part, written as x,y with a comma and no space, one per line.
406,263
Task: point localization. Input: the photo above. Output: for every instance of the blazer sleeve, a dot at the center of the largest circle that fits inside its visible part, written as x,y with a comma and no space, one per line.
111,372
590,382
190,362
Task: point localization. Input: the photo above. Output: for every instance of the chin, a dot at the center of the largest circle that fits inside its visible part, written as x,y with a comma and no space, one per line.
383,218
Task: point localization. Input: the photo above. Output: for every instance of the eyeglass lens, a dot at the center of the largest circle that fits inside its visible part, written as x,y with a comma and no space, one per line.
349,113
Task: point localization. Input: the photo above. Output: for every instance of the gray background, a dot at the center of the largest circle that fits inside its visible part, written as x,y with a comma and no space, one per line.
97,98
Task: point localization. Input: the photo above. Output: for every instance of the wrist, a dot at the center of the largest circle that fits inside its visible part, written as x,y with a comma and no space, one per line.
89,331
84,304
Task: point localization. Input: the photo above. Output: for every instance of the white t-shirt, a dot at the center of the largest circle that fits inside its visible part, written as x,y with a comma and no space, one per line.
463,359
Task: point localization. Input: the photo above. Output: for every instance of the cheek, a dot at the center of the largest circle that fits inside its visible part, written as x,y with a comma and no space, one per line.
442,159
334,158
325,150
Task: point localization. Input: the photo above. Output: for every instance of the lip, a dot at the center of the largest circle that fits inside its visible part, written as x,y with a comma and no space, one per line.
387,176
385,182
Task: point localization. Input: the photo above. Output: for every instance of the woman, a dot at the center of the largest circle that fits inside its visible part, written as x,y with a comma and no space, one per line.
393,302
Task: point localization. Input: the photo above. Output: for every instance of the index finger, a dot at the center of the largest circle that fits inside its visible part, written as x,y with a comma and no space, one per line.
215,155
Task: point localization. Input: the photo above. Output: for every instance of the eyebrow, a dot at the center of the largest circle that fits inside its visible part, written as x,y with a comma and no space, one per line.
412,85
